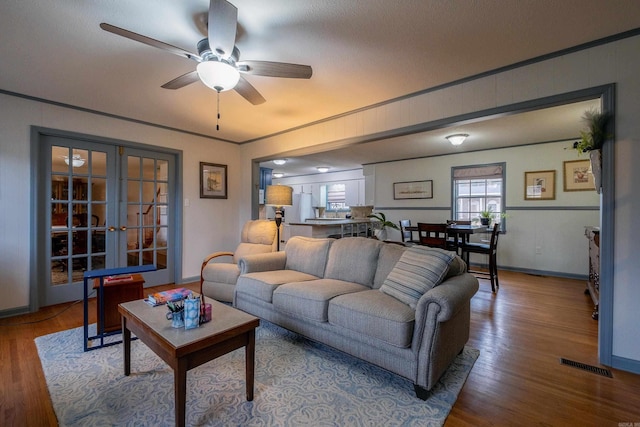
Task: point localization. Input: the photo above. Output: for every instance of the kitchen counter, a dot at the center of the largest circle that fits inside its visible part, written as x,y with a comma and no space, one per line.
329,227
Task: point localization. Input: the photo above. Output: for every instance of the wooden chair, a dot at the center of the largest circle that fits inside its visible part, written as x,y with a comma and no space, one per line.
490,249
407,235
434,235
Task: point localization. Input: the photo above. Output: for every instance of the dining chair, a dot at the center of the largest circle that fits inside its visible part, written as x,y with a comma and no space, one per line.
407,235
434,235
490,249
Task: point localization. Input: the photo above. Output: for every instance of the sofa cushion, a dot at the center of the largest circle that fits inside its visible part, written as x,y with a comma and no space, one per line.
353,259
419,269
310,299
456,268
262,284
374,314
389,256
307,255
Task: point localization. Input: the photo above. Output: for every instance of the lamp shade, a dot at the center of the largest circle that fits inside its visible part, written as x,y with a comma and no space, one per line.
218,75
279,195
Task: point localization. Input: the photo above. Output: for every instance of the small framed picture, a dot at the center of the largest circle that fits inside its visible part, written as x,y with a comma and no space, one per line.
413,190
577,176
540,185
213,181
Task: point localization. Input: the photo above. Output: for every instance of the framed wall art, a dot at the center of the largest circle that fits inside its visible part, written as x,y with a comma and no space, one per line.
577,176
540,185
213,181
413,190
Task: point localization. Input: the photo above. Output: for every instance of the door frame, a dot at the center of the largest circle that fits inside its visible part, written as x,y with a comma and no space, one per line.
38,211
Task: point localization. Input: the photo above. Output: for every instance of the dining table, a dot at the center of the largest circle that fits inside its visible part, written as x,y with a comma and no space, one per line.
459,231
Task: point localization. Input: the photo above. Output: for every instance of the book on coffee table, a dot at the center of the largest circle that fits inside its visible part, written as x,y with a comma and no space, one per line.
169,295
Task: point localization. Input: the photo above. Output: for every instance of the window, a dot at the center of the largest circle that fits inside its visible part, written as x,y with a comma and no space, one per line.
336,197
476,189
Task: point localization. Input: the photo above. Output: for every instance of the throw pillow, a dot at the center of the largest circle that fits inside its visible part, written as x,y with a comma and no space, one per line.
418,270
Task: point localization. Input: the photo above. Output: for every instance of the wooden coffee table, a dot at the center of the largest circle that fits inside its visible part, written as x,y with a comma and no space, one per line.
182,349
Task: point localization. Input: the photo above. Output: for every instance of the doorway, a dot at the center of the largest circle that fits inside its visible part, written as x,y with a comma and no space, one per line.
101,204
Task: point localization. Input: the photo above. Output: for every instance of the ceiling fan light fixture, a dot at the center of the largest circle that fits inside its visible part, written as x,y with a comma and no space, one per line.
75,160
218,75
457,139
322,169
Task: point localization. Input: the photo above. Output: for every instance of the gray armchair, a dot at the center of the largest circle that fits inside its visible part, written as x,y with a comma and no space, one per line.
218,279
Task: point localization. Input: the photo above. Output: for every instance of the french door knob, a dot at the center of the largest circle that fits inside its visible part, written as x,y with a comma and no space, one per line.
123,228
112,228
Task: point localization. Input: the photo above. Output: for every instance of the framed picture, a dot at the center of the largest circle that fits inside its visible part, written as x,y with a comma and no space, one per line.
213,181
577,176
540,185
413,190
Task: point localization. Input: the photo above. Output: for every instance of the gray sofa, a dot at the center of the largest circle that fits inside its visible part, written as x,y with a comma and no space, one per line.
339,292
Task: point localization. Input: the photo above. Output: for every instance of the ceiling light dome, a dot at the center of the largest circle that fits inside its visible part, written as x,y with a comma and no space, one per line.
322,169
75,160
218,75
280,162
457,138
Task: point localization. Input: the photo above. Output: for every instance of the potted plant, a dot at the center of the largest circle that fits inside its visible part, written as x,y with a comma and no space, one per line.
592,140
381,233
486,216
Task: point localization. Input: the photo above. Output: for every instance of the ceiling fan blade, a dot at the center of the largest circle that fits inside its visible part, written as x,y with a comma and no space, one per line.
149,41
182,81
275,69
248,92
223,21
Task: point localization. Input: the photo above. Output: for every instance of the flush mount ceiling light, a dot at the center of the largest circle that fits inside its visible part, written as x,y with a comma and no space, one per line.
75,160
218,75
278,175
322,169
280,162
457,138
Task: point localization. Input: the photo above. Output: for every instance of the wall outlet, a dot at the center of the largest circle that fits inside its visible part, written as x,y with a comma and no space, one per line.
538,250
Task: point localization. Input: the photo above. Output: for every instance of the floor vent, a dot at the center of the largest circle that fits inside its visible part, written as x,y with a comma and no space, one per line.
593,369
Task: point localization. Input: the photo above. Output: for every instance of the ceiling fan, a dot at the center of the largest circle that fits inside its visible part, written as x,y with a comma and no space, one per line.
219,66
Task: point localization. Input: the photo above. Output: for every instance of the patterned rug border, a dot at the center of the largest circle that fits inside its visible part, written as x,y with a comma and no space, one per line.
297,382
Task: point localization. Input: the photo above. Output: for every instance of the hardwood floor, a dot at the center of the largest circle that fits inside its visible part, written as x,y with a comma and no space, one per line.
522,332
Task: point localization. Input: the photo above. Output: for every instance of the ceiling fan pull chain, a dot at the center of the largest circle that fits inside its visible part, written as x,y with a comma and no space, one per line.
218,116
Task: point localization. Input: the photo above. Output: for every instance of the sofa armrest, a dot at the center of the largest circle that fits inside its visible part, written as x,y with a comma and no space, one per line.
262,262
450,296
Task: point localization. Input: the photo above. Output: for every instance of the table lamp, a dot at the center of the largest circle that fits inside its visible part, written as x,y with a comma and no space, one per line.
278,196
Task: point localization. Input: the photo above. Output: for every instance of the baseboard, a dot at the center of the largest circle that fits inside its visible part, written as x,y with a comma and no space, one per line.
14,311
625,364
534,272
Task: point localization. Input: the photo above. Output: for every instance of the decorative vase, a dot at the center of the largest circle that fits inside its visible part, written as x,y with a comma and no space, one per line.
596,168
485,221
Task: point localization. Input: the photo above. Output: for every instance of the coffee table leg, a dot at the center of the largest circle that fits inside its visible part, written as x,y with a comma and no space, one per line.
250,352
126,345
180,391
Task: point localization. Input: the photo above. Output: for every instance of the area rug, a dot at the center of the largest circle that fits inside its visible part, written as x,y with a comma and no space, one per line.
297,383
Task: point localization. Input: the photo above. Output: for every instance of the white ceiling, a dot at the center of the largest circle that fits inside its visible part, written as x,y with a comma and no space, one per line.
362,53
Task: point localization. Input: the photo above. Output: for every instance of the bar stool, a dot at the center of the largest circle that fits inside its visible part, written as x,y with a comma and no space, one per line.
491,250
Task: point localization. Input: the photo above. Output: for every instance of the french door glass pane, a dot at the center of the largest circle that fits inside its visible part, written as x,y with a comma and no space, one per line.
147,211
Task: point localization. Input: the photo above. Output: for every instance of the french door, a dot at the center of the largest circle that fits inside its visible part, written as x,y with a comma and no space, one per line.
107,206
